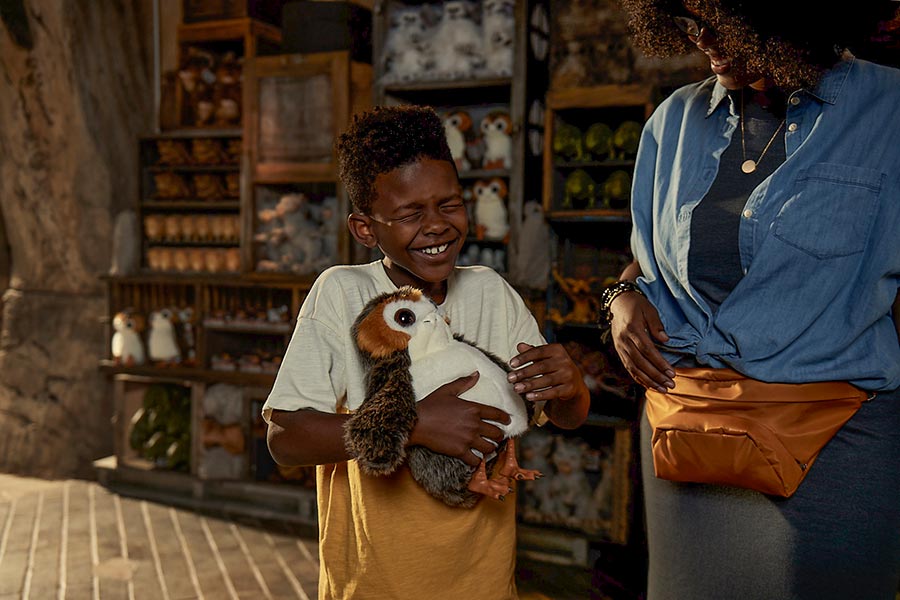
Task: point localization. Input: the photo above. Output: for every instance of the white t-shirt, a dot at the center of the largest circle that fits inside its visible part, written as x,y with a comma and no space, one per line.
321,369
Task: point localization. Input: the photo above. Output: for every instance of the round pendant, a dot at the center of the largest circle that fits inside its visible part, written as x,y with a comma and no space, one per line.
748,166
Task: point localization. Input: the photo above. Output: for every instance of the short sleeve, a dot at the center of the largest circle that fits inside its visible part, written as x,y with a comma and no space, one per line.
312,375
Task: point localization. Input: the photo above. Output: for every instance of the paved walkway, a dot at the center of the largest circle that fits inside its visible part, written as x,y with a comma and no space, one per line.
77,540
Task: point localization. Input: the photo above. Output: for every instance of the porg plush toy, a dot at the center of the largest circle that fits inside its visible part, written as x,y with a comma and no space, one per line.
408,351
127,346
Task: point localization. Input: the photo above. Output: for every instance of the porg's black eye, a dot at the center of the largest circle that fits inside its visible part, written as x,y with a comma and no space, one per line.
405,317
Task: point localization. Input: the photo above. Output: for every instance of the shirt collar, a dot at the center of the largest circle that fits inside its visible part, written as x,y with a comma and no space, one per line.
827,90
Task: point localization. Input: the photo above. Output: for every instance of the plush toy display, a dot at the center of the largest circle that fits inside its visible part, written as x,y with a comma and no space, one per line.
409,350
458,38
580,190
162,343
496,127
626,139
407,52
491,215
457,125
498,29
598,141
567,142
127,345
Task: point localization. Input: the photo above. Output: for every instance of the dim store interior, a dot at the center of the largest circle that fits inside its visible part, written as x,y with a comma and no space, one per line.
219,204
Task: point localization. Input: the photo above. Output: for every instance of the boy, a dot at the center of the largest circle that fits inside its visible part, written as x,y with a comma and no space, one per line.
385,537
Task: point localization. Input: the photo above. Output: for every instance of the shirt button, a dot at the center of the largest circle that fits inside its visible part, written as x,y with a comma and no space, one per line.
792,127
795,100
748,213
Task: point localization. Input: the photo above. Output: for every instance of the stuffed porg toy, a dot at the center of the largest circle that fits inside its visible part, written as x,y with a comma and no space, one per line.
126,345
408,351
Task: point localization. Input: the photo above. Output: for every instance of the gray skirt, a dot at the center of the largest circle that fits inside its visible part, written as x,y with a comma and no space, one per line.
837,537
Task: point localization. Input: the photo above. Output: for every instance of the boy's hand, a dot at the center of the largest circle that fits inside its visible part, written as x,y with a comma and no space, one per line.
450,425
552,376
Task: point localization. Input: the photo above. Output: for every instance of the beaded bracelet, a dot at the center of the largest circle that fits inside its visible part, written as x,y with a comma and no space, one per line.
611,293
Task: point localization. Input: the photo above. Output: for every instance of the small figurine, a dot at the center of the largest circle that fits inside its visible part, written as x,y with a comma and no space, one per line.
496,128
532,254
617,189
585,304
409,350
457,126
598,141
626,139
491,217
127,345
226,96
580,190
162,345
186,318
567,142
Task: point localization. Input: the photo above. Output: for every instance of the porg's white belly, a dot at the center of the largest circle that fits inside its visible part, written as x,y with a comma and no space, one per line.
458,359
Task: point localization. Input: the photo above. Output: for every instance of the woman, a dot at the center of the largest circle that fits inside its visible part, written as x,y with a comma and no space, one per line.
766,211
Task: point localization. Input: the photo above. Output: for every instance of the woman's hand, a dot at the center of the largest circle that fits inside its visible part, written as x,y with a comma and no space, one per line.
635,326
450,425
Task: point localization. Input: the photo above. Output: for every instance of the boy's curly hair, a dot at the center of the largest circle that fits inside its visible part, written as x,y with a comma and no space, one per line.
383,139
777,38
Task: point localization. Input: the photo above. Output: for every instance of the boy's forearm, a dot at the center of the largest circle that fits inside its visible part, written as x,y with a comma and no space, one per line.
570,413
307,437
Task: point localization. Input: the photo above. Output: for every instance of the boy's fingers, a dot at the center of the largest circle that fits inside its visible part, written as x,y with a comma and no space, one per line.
458,386
491,413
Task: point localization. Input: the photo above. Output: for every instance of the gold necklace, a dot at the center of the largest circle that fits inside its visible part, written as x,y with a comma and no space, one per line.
749,165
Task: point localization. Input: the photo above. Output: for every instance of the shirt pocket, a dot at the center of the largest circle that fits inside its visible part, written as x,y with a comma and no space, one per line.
830,211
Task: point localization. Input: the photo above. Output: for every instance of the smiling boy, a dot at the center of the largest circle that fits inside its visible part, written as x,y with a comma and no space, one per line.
385,537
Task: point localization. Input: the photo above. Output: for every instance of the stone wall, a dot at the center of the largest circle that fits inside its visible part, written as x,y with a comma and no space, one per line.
75,92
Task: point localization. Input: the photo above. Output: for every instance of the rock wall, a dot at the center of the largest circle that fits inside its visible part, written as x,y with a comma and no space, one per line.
75,92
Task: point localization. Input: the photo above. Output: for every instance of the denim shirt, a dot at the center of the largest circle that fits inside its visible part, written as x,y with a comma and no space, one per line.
819,239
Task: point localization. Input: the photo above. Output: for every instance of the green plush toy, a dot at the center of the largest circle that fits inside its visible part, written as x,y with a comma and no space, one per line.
626,139
567,143
580,190
598,141
617,189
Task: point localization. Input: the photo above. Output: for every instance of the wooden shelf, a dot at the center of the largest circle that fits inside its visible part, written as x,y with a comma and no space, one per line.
189,374
597,214
249,328
193,205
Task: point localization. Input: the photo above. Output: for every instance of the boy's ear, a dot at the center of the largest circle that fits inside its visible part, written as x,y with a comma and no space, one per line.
361,229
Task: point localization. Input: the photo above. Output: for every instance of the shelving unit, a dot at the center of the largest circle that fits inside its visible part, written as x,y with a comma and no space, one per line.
518,93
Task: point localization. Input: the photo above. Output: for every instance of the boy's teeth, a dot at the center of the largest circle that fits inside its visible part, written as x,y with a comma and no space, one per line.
435,249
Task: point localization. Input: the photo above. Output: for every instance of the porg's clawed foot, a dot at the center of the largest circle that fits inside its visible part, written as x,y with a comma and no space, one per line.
492,488
509,466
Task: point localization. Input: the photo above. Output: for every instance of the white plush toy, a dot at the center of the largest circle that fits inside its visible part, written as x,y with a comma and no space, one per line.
457,124
498,31
127,346
459,40
407,53
162,345
496,127
491,216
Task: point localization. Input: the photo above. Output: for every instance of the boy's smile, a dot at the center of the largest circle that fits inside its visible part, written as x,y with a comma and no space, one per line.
419,221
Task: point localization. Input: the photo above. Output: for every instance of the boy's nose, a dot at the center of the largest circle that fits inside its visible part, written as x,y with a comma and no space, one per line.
435,221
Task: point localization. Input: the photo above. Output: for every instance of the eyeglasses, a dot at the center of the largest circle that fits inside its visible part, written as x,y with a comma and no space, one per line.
691,26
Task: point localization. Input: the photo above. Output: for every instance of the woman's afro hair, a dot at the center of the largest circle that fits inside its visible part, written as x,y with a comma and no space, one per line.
383,139
792,41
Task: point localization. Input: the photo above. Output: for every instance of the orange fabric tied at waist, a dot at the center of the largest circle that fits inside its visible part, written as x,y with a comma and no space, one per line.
718,426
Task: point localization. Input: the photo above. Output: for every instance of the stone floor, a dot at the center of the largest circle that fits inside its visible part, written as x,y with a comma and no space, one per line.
76,539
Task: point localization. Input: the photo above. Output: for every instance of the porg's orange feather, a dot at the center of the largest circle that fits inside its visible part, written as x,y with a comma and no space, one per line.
373,335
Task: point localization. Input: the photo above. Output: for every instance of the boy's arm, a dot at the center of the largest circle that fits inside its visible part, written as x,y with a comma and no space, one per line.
446,424
554,377
306,437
